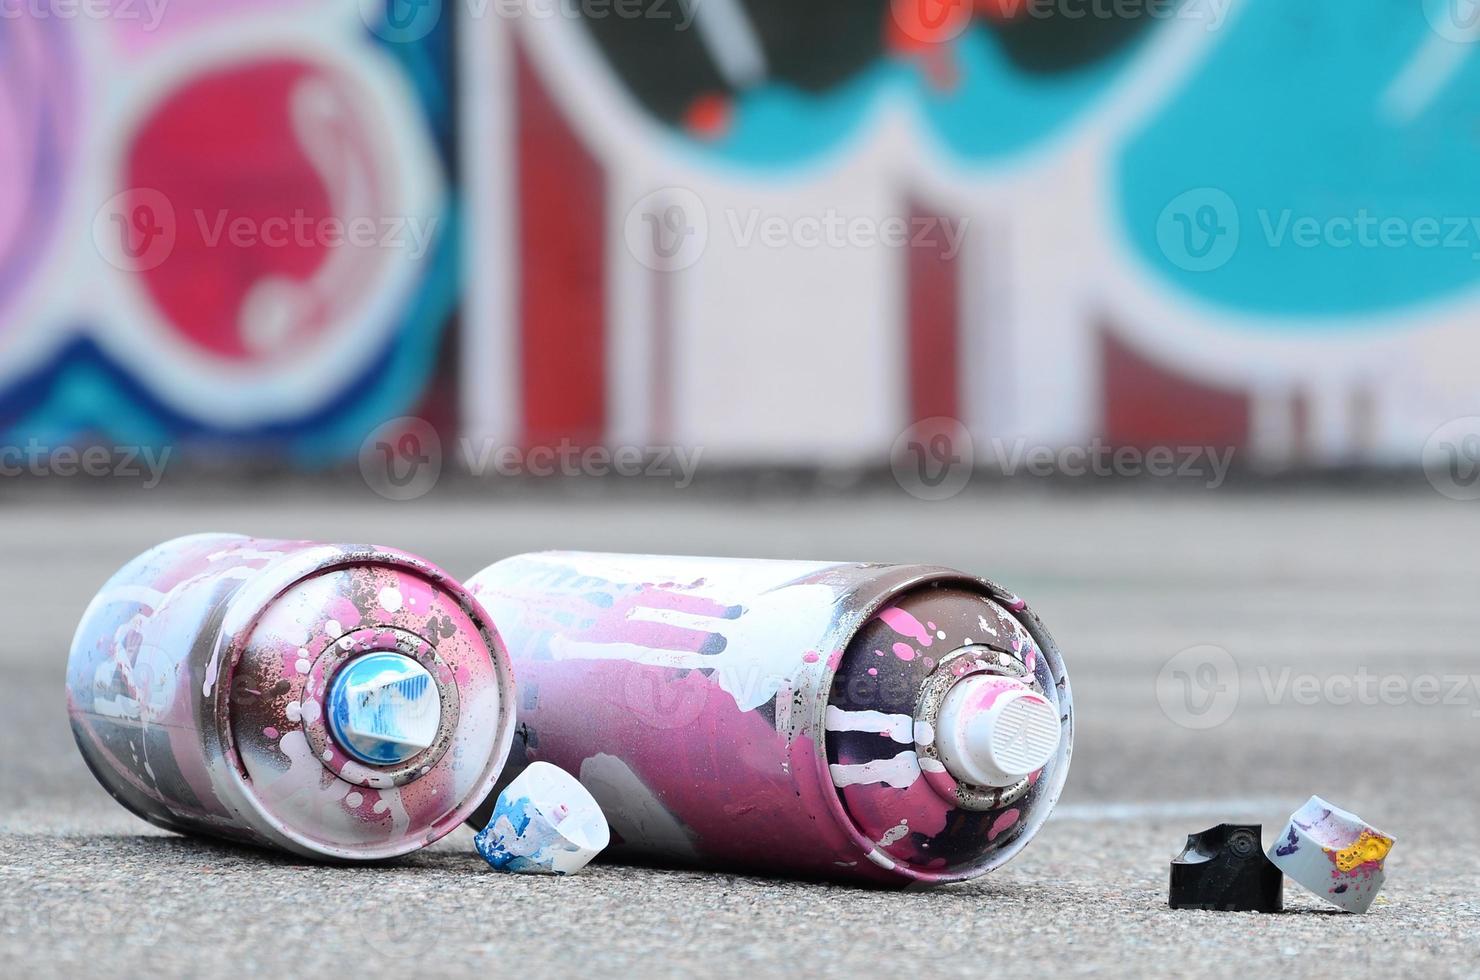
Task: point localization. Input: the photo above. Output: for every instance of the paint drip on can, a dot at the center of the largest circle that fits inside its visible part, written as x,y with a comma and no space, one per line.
899,724
338,702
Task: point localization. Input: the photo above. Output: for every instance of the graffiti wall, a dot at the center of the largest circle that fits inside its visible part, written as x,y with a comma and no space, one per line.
226,224
786,231
783,232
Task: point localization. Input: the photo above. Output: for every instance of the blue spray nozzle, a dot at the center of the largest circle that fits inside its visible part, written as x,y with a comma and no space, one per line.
384,709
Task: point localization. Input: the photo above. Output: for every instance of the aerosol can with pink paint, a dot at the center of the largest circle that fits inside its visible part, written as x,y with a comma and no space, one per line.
898,724
337,702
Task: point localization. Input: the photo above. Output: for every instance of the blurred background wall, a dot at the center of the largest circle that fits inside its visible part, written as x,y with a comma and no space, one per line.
781,231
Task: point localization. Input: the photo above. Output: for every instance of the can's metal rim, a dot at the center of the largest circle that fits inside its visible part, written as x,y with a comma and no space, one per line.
246,607
847,629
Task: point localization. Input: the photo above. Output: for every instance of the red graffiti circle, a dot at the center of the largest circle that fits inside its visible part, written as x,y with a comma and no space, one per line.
255,176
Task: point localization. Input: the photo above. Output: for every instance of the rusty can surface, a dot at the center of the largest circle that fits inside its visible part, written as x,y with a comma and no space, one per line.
338,702
899,724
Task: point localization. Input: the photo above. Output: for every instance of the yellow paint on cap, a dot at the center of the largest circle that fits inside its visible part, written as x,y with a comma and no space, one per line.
1368,847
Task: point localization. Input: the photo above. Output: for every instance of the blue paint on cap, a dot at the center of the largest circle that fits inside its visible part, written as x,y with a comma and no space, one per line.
384,708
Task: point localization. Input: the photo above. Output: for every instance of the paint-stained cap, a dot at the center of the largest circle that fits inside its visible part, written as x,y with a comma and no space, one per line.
545,822
384,708
1333,854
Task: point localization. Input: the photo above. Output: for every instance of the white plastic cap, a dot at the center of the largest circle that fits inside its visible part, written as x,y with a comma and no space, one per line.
1333,854
545,822
384,708
992,731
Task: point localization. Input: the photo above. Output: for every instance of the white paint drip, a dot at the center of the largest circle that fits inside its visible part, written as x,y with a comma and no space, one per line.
631,808
898,727
894,833
761,648
899,772
245,554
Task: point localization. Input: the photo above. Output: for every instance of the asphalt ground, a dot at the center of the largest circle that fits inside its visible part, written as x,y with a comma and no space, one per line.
1352,621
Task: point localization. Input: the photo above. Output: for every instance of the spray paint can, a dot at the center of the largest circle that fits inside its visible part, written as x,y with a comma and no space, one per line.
891,723
338,702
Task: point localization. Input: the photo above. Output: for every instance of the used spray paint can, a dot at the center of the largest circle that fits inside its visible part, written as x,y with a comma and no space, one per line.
338,702
891,723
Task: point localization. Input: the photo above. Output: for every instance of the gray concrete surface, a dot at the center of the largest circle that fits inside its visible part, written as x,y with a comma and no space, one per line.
1326,585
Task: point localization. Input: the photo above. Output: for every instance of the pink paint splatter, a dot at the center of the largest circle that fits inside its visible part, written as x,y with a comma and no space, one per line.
989,691
904,651
271,733
1003,823
874,671
811,657
1028,652
905,624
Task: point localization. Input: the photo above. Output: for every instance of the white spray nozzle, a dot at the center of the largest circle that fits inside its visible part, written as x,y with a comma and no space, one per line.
993,730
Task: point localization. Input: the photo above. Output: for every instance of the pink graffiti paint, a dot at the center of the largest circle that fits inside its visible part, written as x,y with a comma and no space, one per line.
199,678
1003,823
722,736
39,128
990,693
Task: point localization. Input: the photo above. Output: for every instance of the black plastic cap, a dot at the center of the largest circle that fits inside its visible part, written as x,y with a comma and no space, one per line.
1224,870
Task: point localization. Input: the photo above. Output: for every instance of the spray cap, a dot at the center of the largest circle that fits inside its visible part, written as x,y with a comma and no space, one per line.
1333,854
545,822
384,708
994,730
